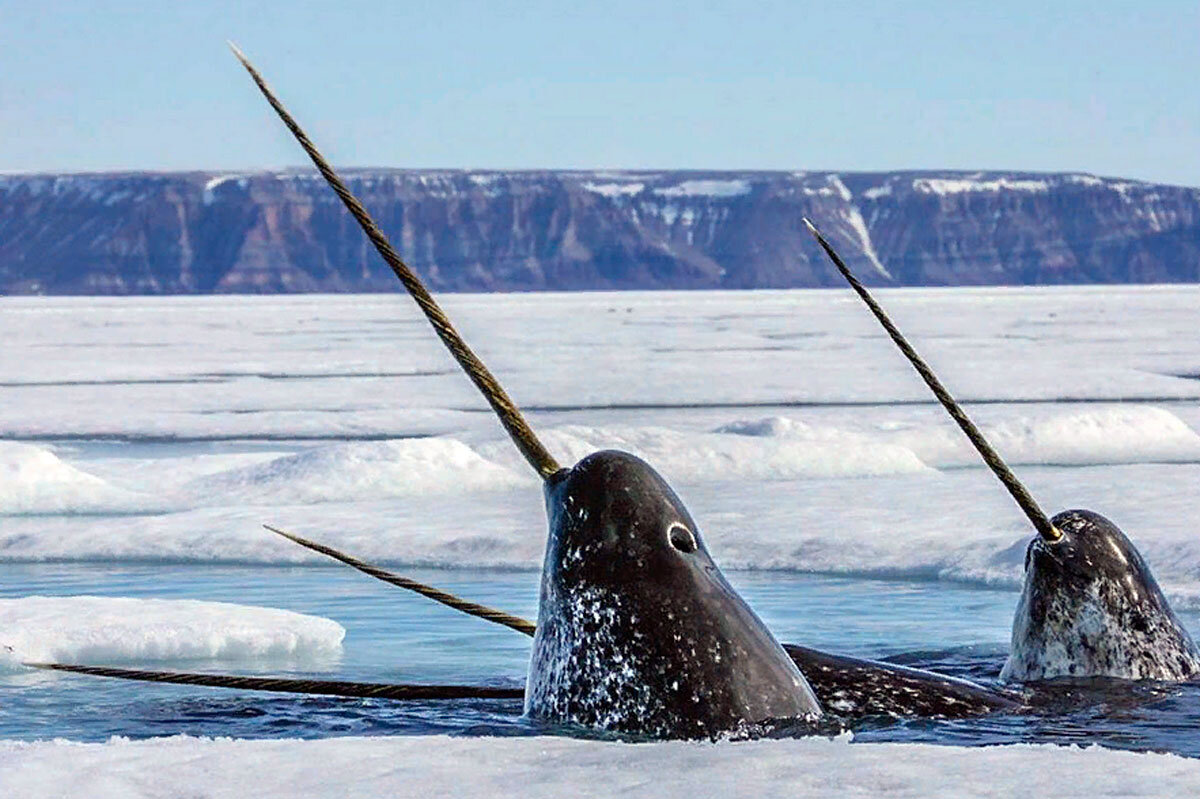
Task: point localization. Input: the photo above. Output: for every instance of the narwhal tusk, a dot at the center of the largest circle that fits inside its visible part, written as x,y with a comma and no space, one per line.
287,685
510,416
990,456
437,595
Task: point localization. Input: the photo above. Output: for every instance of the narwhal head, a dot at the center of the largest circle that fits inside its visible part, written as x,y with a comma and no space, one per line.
638,630
641,632
1090,606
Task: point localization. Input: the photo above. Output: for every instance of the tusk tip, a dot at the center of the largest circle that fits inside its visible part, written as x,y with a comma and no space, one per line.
277,531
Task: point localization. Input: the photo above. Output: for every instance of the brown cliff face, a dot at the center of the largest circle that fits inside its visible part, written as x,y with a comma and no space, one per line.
147,233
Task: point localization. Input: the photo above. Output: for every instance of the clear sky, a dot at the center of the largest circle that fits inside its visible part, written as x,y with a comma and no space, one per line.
1103,87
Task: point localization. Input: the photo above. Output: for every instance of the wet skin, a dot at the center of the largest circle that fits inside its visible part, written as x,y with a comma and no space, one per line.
1091,608
638,630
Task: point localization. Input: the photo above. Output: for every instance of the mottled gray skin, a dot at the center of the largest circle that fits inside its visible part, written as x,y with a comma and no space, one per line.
638,631
1091,608
852,688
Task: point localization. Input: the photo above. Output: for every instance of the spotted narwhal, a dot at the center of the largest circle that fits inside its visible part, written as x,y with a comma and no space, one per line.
1089,606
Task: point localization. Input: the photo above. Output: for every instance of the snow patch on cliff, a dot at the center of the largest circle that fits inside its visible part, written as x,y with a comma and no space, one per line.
615,190
855,219
944,186
215,183
706,188
840,188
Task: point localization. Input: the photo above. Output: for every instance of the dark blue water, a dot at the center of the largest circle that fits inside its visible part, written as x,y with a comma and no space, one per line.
394,636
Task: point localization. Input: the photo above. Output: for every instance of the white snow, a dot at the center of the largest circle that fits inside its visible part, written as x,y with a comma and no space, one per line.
706,188
960,185
696,457
859,226
780,417
615,190
34,481
212,184
365,768
838,186
358,471
112,630
1117,434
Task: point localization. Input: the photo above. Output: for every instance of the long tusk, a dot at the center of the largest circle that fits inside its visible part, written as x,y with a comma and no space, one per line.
366,690
522,435
990,456
437,595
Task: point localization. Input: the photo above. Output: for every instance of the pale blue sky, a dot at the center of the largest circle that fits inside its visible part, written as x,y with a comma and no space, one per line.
1110,88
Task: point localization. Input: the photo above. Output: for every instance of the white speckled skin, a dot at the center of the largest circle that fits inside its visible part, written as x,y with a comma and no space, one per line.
1091,608
853,688
639,635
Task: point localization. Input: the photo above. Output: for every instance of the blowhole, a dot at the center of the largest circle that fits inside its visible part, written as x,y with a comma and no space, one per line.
681,538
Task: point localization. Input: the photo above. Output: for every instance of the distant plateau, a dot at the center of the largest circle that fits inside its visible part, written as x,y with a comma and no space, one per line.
281,232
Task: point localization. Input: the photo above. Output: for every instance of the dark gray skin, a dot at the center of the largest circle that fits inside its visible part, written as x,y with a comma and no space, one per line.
638,631
1091,608
853,688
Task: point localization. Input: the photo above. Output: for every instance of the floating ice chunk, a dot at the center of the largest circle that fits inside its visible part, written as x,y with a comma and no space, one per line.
104,630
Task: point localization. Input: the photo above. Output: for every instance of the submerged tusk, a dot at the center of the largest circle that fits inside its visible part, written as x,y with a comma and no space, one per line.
437,595
364,690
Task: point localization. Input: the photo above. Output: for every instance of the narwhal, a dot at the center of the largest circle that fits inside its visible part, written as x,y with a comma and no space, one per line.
1089,606
638,629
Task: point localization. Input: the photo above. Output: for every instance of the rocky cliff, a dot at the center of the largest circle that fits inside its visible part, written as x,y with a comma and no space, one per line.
149,233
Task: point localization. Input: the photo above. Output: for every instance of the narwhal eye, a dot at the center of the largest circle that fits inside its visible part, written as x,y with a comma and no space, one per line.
681,538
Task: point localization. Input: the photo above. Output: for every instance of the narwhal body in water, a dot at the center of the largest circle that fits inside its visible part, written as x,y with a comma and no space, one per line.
638,630
1089,606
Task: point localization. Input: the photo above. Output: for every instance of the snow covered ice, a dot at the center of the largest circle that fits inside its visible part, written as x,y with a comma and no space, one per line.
87,629
553,767
789,425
